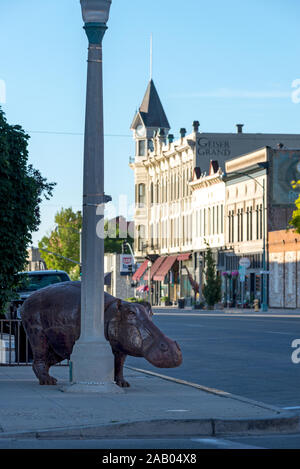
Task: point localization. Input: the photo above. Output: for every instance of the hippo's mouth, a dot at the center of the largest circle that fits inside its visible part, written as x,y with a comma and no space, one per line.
165,355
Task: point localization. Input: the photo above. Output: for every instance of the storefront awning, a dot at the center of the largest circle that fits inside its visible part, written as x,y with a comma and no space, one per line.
141,270
164,268
155,266
184,257
142,288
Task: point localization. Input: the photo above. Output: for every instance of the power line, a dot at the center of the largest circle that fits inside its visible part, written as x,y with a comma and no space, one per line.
71,133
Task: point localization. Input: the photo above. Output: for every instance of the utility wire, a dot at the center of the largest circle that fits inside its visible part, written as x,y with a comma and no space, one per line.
70,133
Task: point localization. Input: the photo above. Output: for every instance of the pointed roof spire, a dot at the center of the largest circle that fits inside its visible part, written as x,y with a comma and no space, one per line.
151,110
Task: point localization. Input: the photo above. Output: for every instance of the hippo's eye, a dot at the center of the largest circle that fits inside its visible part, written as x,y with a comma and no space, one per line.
131,316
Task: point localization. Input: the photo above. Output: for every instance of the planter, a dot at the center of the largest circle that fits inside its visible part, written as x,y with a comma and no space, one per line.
164,301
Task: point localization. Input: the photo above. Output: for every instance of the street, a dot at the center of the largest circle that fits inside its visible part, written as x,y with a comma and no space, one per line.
248,356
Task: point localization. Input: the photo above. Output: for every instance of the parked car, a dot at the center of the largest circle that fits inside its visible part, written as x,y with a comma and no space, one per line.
31,282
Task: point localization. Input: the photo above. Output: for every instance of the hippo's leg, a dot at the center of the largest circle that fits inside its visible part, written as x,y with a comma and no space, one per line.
119,364
43,357
41,370
52,359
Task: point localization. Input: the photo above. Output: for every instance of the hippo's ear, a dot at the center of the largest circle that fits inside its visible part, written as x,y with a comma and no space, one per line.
119,310
148,308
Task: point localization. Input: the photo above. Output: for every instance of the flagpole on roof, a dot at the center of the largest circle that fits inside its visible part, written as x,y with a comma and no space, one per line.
151,56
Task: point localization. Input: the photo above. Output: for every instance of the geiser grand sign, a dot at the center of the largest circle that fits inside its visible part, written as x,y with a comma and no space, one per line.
207,147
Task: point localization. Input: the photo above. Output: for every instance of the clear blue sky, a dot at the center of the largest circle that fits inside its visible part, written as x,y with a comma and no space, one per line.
219,62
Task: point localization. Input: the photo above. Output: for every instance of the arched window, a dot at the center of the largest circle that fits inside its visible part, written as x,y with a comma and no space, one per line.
142,195
141,147
152,193
157,192
141,233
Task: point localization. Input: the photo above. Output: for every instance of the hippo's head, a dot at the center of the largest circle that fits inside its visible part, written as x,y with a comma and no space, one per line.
133,333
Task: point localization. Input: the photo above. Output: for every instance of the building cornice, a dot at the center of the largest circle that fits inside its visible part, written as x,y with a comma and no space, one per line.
244,161
155,159
206,181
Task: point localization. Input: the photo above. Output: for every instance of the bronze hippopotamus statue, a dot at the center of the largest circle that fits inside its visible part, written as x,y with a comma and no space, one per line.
51,318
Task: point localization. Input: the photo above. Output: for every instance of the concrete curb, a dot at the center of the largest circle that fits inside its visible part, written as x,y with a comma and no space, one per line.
286,423
277,421
233,314
216,392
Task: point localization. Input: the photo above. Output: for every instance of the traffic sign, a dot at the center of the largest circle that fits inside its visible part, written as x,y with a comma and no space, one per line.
245,262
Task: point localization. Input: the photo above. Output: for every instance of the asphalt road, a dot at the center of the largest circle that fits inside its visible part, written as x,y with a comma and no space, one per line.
133,444
248,356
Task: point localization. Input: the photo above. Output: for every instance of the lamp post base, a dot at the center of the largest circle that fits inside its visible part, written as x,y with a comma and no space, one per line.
100,388
92,369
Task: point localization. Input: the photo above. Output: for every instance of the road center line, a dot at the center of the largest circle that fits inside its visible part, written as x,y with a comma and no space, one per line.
292,408
282,333
224,443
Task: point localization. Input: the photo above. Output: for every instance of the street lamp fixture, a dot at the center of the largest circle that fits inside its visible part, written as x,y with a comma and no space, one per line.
95,14
95,11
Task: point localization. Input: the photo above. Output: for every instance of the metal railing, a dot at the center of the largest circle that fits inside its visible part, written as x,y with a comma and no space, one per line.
15,349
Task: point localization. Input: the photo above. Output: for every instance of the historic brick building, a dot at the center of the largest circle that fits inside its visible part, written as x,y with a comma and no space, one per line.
284,267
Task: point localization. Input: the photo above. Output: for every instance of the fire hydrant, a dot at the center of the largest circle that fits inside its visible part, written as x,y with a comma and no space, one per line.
256,303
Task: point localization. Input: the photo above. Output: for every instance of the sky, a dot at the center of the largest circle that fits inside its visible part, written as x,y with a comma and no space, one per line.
217,62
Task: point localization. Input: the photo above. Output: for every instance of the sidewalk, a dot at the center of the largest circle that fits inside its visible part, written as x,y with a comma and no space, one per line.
152,406
272,312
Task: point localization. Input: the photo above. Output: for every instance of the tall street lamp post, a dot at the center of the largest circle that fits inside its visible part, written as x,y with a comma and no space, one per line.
92,364
149,282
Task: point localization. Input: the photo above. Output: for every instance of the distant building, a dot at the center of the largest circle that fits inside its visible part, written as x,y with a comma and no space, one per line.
284,267
118,281
246,177
165,194
34,260
208,206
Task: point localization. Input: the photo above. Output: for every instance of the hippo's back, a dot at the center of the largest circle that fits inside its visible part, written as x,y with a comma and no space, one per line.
54,311
54,304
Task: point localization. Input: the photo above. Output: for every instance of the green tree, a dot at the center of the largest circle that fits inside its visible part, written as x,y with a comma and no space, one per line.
113,243
295,220
212,287
64,243
22,189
